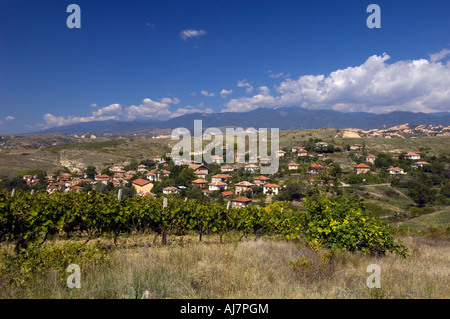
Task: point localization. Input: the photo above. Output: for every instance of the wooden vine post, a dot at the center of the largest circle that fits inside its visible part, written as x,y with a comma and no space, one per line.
164,235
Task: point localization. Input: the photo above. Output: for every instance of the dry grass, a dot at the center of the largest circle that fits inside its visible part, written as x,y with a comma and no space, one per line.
273,269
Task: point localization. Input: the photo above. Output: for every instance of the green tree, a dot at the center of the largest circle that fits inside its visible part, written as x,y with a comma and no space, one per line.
91,171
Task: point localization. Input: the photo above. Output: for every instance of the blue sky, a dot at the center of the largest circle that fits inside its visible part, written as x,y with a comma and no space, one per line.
161,59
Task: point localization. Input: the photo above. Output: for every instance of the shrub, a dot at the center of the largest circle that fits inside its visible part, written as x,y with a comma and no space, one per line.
346,223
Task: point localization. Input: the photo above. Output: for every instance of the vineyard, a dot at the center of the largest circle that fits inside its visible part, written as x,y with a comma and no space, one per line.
27,220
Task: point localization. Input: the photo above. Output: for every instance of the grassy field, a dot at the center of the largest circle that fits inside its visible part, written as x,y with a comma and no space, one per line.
439,220
273,269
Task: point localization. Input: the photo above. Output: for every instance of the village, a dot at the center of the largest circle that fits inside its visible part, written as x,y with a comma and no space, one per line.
237,182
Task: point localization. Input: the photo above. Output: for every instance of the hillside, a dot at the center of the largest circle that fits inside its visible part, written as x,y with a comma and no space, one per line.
52,152
284,118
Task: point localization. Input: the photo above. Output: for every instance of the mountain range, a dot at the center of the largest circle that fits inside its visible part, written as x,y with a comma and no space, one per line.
284,118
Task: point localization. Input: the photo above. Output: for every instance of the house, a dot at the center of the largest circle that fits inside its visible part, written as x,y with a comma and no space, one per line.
251,167
181,161
265,161
170,190
151,176
199,168
54,188
157,175
157,158
75,189
104,179
200,183
217,159
162,164
217,186
261,180
280,153
227,194
142,185
316,168
200,174
221,178
420,164
271,189
371,158
293,166
361,168
243,187
240,202
147,194
321,145
356,147
239,158
226,168
413,156
130,173
116,168
116,183
295,149
302,153
396,171
64,176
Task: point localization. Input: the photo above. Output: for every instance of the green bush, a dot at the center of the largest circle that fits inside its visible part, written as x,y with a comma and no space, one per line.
345,223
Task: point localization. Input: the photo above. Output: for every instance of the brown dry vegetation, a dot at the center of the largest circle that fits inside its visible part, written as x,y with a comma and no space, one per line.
267,268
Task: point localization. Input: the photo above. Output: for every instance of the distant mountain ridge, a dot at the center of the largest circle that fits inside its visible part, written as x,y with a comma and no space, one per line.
284,118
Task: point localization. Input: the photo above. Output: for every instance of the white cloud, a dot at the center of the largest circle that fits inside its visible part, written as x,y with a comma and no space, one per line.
190,109
439,55
277,75
244,83
151,109
224,93
206,93
106,113
375,86
110,109
9,118
245,104
191,33
52,120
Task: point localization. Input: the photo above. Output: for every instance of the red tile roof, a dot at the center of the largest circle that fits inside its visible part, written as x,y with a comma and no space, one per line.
242,199
272,186
141,182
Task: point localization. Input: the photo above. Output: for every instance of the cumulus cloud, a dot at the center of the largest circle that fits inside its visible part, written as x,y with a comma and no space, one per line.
106,113
375,86
245,104
9,118
206,93
151,109
110,109
191,33
52,120
224,93
244,83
